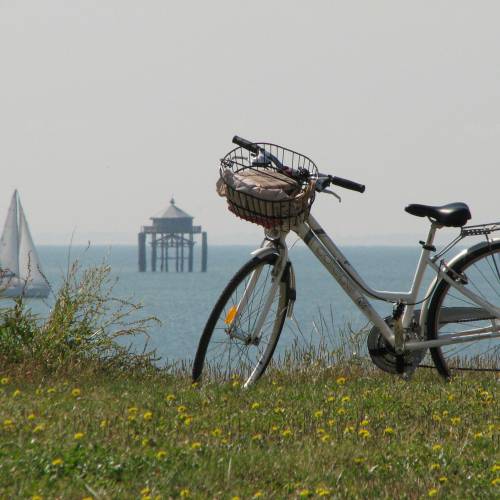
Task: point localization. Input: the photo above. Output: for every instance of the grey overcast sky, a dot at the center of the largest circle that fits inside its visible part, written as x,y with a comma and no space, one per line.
110,107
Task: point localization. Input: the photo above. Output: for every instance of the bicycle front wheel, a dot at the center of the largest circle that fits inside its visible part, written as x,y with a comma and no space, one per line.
230,349
451,312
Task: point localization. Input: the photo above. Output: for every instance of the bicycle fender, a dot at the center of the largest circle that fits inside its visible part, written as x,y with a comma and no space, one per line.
452,263
293,290
262,252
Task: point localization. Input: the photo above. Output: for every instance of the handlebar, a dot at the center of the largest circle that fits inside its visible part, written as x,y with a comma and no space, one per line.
323,180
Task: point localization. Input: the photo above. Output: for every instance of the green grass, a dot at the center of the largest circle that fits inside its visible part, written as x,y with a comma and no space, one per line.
296,433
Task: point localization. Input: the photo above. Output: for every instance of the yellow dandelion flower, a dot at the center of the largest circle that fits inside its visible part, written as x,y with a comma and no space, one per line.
146,491
161,454
320,430
31,416
57,461
131,418
478,435
258,494
148,415
437,447
88,498
257,437
36,497
388,430
341,411
455,420
4,380
279,409
451,397
132,410
364,433
224,441
51,390
345,399
79,436
305,493
445,413
325,438
236,497
496,481
274,428
443,479
349,429
318,413
187,421
184,493
16,393
216,432
170,397
322,492
39,428
330,422
39,391
195,445
255,406
181,409
76,392
103,424
364,422
436,417
287,433
236,383
495,468
8,422
341,380
145,441
432,492
359,460
435,466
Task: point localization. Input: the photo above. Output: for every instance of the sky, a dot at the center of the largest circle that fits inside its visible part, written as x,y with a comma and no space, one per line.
108,108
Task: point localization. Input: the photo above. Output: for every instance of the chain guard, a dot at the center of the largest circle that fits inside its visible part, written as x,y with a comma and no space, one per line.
384,356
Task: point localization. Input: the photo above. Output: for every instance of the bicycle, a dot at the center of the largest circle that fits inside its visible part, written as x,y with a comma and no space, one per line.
459,311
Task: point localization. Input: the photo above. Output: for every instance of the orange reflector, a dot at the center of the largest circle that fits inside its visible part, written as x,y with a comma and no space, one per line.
230,315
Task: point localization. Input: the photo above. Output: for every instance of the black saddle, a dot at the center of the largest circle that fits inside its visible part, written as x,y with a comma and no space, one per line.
451,215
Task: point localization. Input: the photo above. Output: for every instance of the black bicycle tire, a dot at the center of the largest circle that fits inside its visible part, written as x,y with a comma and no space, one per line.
438,296
225,296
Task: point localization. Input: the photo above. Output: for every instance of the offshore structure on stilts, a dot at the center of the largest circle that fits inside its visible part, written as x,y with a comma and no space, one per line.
172,240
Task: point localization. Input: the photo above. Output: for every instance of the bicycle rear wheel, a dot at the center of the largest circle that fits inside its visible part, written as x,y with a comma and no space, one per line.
227,349
450,312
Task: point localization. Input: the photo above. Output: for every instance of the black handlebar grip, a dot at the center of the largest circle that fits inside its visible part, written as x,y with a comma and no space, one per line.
250,146
347,184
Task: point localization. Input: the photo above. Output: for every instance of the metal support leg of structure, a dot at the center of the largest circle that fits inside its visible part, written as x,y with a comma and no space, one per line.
141,237
204,252
190,255
153,252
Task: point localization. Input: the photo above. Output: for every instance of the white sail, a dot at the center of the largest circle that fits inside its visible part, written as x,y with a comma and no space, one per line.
9,242
29,263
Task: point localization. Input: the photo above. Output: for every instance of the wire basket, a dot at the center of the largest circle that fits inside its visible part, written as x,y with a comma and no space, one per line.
289,207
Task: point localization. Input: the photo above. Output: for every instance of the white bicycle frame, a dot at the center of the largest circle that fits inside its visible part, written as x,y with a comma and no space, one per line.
342,271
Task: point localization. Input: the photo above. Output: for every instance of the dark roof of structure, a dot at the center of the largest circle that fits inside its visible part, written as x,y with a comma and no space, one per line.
172,212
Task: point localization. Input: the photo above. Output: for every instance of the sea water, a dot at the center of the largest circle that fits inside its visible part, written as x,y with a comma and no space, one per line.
183,301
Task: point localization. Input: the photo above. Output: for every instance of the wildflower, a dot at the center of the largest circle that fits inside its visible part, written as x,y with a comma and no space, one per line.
478,435
170,397
103,424
184,493
341,380
31,416
38,391
455,420
320,431
236,383
216,432
341,411
161,454
258,494
388,430
181,409
436,417
445,413
432,492
286,433
196,445
325,438
257,437
131,418
16,393
451,397
8,423
443,479
322,492
76,392
318,413
57,461
330,422
364,433
132,410
147,416
304,493
359,460
349,429
364,422
39,428
187,421
495,468
4,380
435,466
145,441
51,390
255,406
274,428
36,497
146,491
437,447
279,409
236,497
79,435
330,399
496,481
345,399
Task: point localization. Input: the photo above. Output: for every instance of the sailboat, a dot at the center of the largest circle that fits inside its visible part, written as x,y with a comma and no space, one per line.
20,271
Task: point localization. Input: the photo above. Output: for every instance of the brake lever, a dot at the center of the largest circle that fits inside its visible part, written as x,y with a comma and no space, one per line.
334,194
